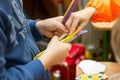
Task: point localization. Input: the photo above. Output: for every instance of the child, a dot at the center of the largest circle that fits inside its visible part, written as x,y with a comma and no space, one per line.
18,47
96,11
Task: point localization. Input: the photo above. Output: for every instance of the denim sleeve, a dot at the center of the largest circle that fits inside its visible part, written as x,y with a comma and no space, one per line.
35,33
33,70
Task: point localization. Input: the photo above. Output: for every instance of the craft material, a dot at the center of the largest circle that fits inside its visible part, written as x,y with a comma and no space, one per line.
91,67
73,36
92,70
68,39
91,77
67,14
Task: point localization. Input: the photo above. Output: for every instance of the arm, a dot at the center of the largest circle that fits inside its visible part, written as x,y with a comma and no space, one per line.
96,11
18,72
55,52
107,10
36,69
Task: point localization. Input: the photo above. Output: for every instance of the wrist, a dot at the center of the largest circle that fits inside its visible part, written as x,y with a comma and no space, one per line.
45,59
90,11
40,27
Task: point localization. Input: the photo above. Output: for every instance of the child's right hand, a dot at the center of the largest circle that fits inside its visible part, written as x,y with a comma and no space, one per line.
55,52
79,19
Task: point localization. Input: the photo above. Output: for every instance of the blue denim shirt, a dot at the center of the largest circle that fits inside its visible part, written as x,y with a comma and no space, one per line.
17,44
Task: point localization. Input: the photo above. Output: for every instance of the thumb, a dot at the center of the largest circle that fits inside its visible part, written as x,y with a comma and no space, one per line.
68,45
54,39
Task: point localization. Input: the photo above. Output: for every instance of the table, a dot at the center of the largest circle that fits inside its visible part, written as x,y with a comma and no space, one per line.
112,68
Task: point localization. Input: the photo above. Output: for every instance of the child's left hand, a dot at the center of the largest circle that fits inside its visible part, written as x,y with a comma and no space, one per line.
52,26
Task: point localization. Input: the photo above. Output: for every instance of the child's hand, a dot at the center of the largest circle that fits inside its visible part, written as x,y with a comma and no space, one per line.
55,52
79,19
52,26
